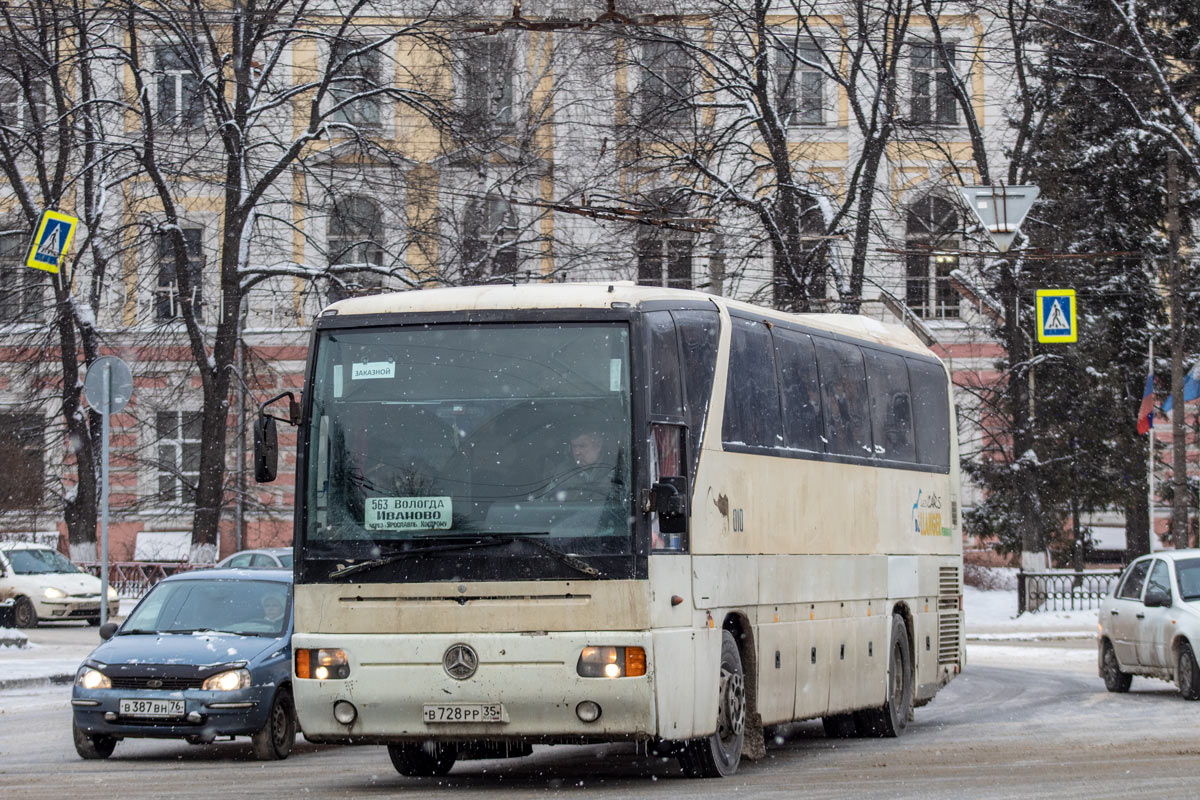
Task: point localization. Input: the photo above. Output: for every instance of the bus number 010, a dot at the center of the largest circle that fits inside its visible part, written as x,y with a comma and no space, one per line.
739,523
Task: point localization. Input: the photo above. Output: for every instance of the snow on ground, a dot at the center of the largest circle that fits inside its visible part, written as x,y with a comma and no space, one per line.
992,615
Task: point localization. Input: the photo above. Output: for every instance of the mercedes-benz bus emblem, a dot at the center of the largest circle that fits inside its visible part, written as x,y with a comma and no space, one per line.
460,661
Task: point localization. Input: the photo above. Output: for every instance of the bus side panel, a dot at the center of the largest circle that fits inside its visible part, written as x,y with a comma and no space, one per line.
707,686
675,679
777,657
812,673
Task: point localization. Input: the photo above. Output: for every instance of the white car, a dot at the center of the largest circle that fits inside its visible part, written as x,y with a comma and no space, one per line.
1150,625
47,586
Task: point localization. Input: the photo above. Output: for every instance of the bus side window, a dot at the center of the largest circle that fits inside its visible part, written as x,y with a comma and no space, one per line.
698,334
751,394
844,398
931,413
891,414
666,396
800,388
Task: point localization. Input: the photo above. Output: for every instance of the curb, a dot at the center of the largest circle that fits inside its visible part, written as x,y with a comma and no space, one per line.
1048,636
61,679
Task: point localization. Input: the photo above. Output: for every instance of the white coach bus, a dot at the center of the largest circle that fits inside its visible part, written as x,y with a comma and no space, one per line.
590,513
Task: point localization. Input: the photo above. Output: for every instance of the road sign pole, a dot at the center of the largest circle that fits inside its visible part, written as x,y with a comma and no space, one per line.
104,493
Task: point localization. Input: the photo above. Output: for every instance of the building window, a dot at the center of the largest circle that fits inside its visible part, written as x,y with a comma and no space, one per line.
178,455
14,99
665,90
932,236
180,98
800,83
22,449
665,261
355,238
933,101
169,297
489,239
355,72
488,76
22,291
790,290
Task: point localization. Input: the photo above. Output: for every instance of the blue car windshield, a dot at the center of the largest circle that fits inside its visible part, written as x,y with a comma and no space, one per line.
245,607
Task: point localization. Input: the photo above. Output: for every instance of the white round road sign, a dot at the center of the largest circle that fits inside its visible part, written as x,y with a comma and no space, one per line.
120,384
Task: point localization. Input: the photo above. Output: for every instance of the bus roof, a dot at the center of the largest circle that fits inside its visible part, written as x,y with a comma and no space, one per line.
603,295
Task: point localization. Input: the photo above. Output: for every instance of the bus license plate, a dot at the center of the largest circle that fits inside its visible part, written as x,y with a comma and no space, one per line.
464,712
151,708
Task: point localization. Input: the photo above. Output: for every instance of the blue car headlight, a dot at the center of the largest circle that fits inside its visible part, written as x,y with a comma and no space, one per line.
227,681
89,678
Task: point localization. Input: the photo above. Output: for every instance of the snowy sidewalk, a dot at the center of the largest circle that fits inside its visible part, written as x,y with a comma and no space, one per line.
992,617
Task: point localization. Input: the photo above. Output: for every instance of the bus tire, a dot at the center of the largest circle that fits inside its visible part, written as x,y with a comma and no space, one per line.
422,759
718,755
890,719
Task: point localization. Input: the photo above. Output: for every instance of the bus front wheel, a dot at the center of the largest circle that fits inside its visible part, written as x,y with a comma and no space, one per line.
890,719
423,759
717,756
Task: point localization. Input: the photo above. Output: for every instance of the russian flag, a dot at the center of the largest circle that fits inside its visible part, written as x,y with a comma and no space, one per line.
1146,410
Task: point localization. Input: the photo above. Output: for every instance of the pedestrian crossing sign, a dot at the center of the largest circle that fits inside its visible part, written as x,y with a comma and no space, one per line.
1057,316
54,232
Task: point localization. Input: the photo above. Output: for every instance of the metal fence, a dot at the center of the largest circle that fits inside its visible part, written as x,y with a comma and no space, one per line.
1063,590
131,579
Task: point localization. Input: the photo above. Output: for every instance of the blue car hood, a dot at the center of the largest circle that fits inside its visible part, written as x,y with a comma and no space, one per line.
199,649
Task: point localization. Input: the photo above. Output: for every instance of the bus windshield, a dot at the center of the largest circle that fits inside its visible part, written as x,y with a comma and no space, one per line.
463,431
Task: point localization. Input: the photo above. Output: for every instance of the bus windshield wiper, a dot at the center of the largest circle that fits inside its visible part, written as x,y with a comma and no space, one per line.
571,561
457,544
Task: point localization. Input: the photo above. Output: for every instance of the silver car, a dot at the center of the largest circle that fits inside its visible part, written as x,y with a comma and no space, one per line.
262,558
1150,625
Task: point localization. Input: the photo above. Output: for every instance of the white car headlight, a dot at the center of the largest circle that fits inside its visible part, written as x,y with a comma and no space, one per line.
54,594
89,678
227,681
112,593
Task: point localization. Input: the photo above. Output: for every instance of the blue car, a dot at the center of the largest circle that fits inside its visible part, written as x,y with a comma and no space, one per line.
204,654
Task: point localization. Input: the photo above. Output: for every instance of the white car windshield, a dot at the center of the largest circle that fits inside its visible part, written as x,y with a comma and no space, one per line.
39,561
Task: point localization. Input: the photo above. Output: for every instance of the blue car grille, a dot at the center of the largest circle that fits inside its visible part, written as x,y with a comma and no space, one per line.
147,682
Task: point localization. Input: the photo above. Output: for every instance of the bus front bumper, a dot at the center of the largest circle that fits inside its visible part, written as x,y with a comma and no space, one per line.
525,686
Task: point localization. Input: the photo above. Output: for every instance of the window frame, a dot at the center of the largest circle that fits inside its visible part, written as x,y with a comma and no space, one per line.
23,297
179,470
799,86
167,298
489,64
186,111
664,65
928,290
29,459
365,112
932,101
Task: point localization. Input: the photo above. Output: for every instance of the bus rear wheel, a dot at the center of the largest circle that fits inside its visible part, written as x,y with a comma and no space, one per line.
423,759
890,719
717,756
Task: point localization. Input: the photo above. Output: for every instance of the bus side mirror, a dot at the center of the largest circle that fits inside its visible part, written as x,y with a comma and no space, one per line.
266,438
266,449
670,501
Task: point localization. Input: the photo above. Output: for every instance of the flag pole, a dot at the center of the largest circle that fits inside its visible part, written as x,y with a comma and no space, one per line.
1150,461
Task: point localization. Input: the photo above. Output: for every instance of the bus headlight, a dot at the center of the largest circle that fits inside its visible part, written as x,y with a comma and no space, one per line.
323,664
611,662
